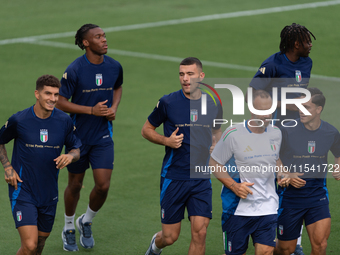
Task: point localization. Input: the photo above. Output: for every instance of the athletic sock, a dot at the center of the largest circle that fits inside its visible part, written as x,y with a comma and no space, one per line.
154,248
299,239
69,222
89,215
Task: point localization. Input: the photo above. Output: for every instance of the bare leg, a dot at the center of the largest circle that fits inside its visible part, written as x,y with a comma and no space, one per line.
199,227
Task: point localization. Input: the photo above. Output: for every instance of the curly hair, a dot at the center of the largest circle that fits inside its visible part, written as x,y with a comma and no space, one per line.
81,34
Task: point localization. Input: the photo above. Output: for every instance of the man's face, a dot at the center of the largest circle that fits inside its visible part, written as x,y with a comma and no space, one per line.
314,110
305,48
47,97
262,104
188,73
95,40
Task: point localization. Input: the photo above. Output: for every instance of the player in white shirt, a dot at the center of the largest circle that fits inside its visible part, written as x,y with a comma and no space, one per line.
249,197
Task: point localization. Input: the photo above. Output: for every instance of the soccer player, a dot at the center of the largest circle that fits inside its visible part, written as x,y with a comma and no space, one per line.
39,134
93,81
187,139
290,67
304,150
249,197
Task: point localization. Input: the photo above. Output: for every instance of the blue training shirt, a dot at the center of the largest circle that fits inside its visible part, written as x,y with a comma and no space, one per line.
37,142
306,151
176,110
278,71
89,84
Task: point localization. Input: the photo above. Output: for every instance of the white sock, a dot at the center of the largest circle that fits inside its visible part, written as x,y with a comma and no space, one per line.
154,248
89,215
299,239
69,222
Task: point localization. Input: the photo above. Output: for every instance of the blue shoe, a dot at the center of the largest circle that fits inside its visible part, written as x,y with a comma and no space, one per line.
150,251
69,240
298,250
86,238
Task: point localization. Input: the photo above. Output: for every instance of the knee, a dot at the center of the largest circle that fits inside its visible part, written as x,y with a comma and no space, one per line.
29,247
75,185
170,239
321,246
103,188
199,236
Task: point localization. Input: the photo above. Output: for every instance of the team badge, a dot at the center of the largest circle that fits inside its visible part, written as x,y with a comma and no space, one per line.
272,145
19,216
193,115
298,76
229,246
311,147
281,230
43,135
162,213
99,79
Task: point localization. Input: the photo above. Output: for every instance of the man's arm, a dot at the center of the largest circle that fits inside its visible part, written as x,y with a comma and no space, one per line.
283,177
11,176
336,171
240,189
117,95
149,132
216,136
100,109
66,159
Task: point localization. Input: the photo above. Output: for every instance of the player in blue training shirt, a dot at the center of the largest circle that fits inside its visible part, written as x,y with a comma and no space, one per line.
291,67
304,151
187,139
39,134
93,82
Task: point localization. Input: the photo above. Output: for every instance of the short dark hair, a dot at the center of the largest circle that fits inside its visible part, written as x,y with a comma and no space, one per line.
260,93
82,31
190,61
290,34
47,80
317,97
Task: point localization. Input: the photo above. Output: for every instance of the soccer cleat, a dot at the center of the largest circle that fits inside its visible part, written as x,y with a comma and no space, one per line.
150,251
69,240
298,250
86,238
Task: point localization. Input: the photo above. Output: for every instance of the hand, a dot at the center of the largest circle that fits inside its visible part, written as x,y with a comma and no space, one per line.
295,181
213,144
63,160
241,189
11,177
111,114
336,174
283,179
100,109
175,141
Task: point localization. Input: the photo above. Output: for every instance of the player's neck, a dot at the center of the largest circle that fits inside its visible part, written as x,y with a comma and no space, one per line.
292,56
313,125
256,130
40,112
94,58
193,95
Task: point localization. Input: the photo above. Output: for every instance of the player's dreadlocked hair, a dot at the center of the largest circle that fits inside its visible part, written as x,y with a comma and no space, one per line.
290,34
81,33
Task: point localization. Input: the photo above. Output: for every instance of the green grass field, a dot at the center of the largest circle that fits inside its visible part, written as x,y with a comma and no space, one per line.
150,54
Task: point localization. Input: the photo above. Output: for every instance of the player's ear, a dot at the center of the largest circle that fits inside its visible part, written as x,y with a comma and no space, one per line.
202,75
86,43
296,44
36,93
319,109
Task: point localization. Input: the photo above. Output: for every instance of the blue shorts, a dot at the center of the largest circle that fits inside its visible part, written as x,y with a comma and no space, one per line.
25,213
195,195
99,156
237,229
290,220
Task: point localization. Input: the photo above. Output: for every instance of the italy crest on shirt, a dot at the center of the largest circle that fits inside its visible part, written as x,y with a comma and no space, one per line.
311,147
99,79
44,135
298,75
193,115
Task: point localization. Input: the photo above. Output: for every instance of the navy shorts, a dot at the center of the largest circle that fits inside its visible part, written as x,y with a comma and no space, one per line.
25,213
290,220
237,229
99,156
195,195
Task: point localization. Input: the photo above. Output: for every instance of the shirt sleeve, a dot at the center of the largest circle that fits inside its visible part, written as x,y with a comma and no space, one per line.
263,77
159,114
119,81
223,150
9,130
71,140
219,115
68,83
335,149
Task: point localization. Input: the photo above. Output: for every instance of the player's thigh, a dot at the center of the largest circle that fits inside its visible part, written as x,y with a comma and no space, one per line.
171,231
173,197
289,223
81,165
101,155
46,217
265,232
199,224
28,236
261,249
318,224
199,202
236,232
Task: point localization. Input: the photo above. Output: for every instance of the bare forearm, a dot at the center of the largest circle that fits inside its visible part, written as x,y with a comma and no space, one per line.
117,95
70,107
9,171
75,153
